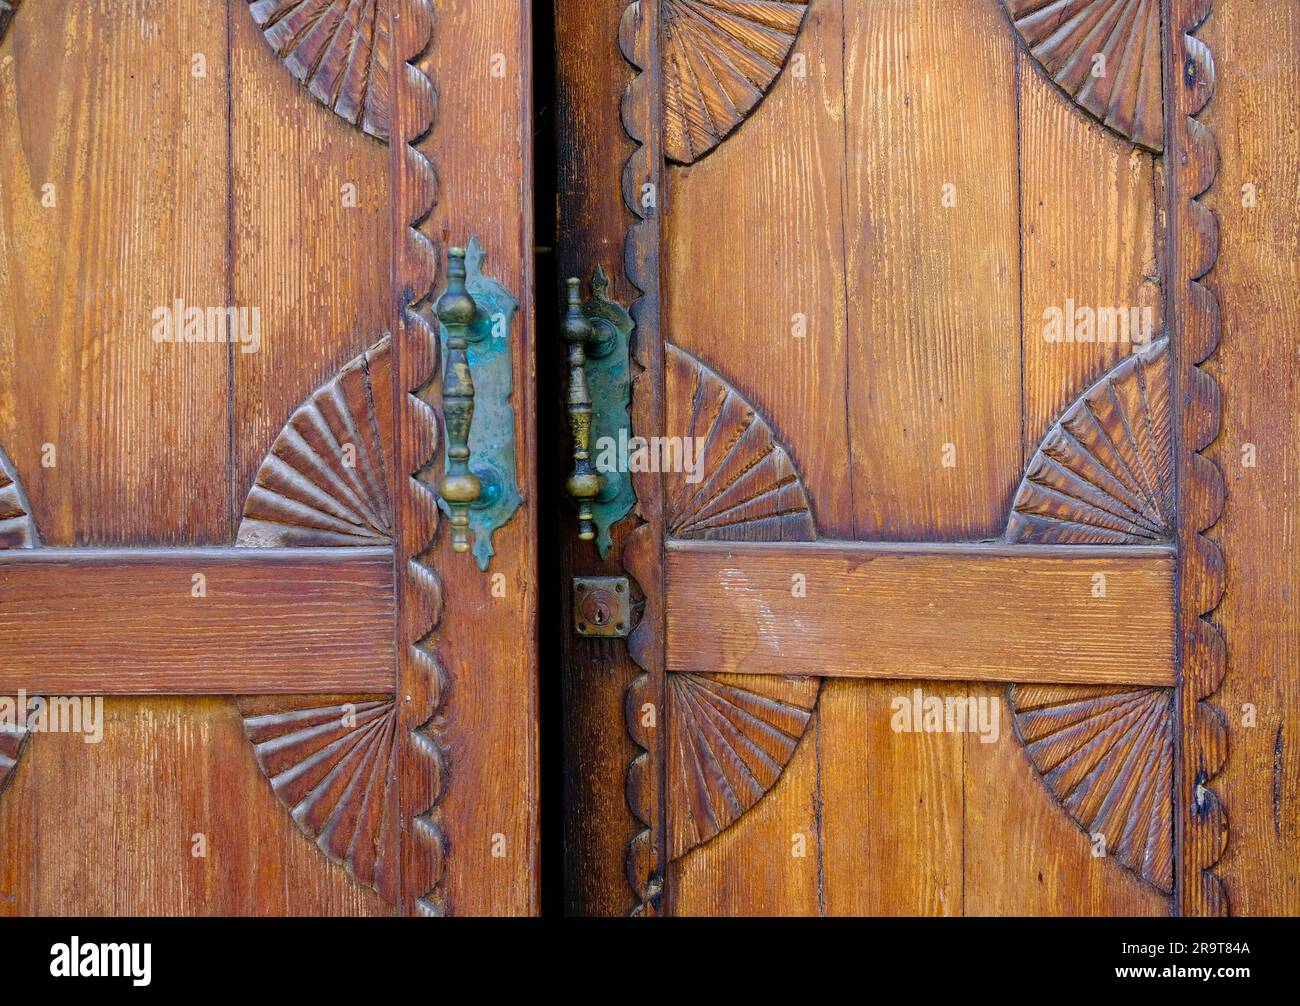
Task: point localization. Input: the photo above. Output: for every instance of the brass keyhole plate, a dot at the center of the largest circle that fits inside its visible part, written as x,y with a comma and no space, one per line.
602,606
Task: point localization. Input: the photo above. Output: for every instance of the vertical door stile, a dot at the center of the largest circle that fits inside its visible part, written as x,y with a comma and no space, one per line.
645,196
1191,164
420,678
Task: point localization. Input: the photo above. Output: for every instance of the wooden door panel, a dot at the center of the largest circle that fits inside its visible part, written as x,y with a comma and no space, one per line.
931,290
868,249
936,337
189,160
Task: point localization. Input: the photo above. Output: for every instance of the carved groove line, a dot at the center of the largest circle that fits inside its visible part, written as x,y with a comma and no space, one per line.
1192,165
1104,55
422,679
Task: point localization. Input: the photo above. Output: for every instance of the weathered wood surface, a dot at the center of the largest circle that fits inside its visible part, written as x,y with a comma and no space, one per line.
893,343
977,613
269,621
479,61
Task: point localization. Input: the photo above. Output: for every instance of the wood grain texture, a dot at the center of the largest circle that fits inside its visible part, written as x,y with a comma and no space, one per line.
316,266
1088,232
931,249
97,231
1023,854
117,622
1257,49
770,866
311,243
985,612
292,245
892,811
720,57
768,315
848,796
1104,56
194,843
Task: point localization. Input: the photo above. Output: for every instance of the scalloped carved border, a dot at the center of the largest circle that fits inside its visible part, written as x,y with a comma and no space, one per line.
422,681
643,548
1191,166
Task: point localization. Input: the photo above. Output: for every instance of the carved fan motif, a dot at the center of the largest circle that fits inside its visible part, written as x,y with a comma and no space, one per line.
1103,474
729,739
334,768
324,484
339,49
17,529
1105,54
324,481
1107,755
729,736
747,488
720,58
12,739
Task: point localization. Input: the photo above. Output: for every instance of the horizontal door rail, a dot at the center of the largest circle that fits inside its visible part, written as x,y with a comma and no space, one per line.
981,612
196,621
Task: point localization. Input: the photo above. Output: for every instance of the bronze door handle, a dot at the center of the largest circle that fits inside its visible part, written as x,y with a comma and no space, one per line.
585,484
459,487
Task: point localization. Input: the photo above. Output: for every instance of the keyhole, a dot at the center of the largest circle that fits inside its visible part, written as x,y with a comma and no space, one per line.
601,615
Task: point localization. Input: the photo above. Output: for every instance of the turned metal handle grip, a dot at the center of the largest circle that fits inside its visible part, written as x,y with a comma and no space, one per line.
585,484
459,487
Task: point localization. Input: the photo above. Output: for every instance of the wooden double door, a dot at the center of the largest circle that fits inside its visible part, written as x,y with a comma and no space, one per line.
910,506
